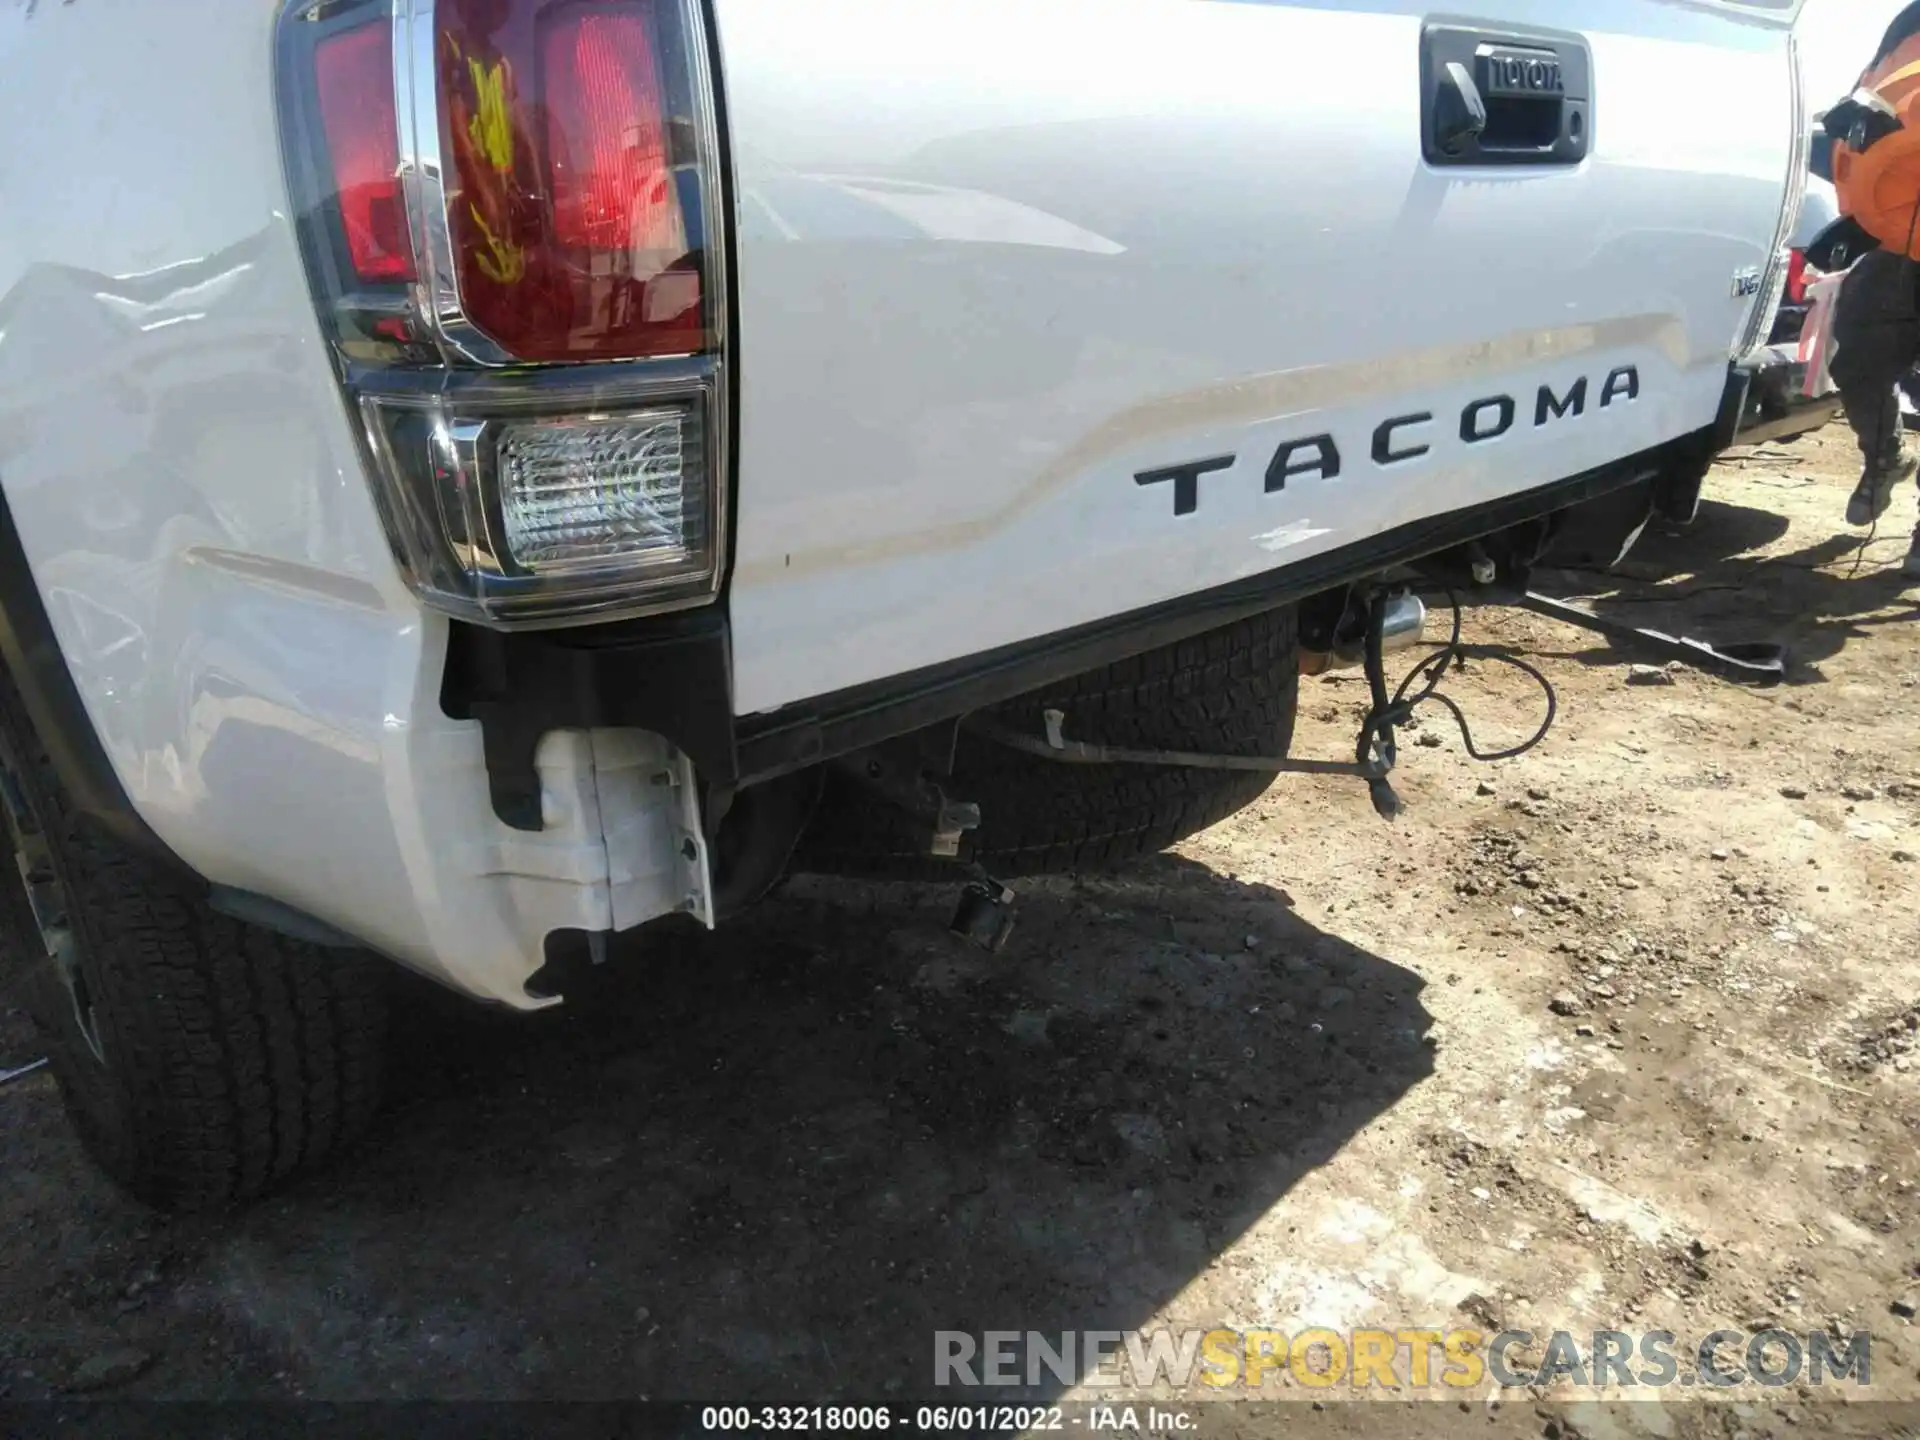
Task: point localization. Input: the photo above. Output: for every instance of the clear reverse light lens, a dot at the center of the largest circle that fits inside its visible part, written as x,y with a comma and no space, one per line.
584,494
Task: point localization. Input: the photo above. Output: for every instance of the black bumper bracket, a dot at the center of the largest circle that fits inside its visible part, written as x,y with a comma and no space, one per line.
1748,663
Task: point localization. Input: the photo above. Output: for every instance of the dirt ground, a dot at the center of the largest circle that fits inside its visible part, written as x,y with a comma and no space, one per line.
1310,1069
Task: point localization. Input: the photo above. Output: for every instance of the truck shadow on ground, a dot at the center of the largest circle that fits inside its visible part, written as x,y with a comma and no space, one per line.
1718,532
775,1161
1699,581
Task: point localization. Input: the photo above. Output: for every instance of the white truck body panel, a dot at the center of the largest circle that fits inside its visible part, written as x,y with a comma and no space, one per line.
1116,235
188,488
994,258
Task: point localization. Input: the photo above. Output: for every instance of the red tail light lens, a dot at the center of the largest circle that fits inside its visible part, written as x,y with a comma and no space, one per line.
1797,277
573,192
606,146
354,75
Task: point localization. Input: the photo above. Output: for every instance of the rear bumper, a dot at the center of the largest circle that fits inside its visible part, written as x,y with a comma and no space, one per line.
1765,400
575,803
521,685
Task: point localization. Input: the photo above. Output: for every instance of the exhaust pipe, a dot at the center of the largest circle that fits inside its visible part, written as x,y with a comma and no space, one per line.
1401,628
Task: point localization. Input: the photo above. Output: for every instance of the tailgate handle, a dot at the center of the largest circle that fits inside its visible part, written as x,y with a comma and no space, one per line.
1460,114
1505,97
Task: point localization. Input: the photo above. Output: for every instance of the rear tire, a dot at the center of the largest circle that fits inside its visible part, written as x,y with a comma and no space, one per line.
1230,691
201,1060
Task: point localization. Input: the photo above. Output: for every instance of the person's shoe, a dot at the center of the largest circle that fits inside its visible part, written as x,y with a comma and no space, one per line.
1874,493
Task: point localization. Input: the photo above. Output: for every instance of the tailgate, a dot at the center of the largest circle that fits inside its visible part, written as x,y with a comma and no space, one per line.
1050,310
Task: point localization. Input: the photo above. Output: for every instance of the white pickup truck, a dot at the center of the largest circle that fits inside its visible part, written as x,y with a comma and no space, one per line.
483,475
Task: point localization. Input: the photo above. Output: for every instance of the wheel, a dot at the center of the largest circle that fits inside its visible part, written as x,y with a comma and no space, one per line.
201,1060
1230,691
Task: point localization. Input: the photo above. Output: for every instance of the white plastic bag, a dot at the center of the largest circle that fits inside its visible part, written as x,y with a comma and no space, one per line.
1816,336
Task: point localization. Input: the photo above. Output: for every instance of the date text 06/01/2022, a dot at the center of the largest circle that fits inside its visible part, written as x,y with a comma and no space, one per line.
939,1419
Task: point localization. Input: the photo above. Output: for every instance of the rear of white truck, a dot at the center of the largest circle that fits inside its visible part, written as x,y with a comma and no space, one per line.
484,475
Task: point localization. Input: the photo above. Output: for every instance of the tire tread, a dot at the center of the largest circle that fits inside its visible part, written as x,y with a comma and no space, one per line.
238,1056
1230,691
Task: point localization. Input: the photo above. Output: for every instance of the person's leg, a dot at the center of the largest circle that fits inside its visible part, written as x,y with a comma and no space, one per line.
1876,340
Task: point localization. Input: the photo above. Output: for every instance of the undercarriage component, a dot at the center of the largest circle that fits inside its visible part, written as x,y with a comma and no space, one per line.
1747,663
1055,746
897,773
754,836
1374,752
1599,533
984,913
1232,690
1471,577
893,772
1344,647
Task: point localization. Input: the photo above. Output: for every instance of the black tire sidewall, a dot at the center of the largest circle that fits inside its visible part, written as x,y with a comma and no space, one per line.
235,1057
1232,690
99,1095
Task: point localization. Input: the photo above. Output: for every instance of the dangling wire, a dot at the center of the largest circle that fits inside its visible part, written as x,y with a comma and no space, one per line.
1432,670
1860,555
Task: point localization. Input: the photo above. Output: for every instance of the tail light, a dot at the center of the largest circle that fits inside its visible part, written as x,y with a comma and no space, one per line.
1797,278
353,74
510,215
